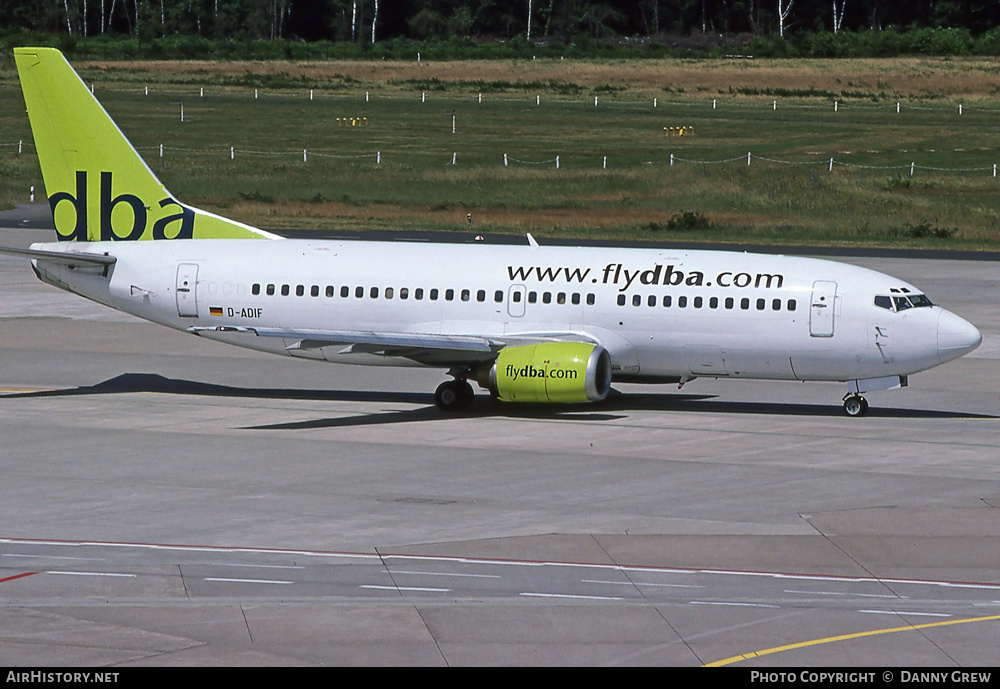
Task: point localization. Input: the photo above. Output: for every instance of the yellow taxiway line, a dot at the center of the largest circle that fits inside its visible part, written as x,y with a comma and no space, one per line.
845,637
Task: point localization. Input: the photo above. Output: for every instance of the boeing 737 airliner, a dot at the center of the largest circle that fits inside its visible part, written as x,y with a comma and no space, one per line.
529,323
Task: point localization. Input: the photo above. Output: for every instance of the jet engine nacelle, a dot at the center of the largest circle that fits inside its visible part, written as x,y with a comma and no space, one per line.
551,372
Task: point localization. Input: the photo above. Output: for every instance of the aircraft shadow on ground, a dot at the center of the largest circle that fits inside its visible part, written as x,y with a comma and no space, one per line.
616,406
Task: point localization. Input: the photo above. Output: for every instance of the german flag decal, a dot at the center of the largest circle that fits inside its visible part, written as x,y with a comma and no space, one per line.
214,310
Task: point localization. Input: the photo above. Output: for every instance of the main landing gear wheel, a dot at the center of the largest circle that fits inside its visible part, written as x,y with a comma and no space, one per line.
855,405
454,395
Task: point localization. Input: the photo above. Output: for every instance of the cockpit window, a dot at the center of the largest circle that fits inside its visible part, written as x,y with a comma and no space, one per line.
900,303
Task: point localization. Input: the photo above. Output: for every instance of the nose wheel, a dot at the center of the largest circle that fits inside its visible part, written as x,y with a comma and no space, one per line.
454,395
855,405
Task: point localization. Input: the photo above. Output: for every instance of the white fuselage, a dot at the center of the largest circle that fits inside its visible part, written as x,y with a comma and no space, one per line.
661,314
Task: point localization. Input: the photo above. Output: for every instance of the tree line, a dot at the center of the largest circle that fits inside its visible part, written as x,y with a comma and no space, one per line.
537,22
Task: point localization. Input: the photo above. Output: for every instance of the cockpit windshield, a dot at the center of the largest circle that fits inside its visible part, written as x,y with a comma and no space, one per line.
897,302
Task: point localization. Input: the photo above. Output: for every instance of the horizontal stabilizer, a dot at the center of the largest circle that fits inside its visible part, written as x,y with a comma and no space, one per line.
67,257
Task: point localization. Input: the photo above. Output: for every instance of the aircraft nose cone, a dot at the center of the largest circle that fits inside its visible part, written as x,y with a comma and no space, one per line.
956,336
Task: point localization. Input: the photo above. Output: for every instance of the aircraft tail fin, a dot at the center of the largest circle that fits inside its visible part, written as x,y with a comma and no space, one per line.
99,187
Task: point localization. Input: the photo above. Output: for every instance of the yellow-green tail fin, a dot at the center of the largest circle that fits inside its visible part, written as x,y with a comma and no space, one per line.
99,188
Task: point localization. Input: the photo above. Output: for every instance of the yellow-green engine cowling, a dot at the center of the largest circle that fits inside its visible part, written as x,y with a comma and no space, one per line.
551,372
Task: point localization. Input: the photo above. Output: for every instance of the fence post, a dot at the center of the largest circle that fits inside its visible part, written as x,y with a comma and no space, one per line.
305,157
20,145
835,106
654,102
671,160
831,164
378,158
748,158
713,104
32,193
897,107
161,150
505,160
911,169
453,123
557,162
232,153
454,156
604,165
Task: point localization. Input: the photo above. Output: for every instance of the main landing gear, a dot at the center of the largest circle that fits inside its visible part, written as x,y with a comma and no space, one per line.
855,405
454,395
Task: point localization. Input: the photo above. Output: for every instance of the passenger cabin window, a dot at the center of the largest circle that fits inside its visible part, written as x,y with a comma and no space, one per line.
388,292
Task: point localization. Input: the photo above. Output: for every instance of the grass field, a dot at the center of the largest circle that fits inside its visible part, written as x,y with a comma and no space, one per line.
787,194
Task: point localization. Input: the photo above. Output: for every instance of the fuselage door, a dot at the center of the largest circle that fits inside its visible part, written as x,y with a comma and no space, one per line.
822,309
187,290
515,300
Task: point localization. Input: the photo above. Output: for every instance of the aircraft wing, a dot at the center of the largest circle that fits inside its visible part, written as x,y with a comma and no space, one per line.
425,348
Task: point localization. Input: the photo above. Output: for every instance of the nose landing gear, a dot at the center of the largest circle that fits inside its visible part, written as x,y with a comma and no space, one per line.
855,405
